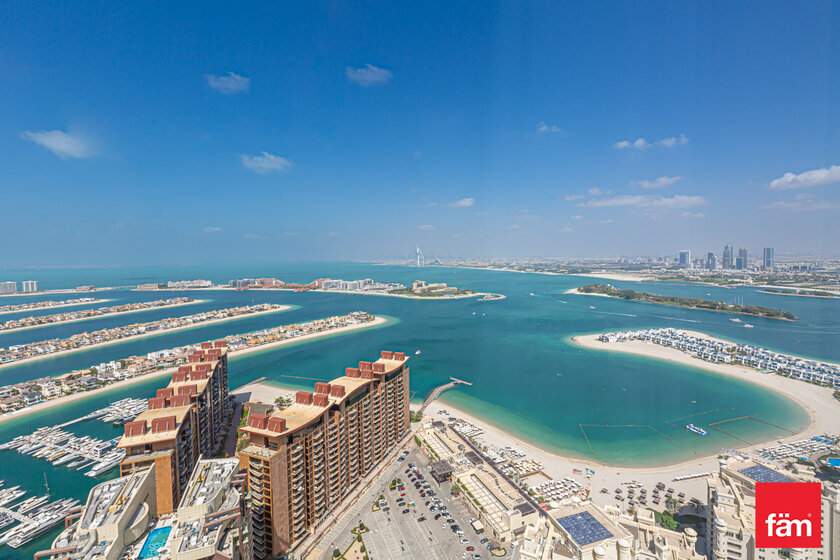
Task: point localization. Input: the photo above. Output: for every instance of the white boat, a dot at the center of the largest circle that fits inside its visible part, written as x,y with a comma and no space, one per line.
748,326
735,320
591,307
696,430
417,353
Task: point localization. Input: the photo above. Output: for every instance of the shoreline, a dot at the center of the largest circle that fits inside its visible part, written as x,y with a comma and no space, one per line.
319,291
45,405
98,301
117,314
139,336
797,294
818,402
576,292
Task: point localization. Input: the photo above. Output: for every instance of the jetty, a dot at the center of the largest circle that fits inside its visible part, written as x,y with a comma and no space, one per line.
453,381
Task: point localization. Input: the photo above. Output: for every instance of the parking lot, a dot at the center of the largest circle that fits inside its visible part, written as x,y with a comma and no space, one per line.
402,531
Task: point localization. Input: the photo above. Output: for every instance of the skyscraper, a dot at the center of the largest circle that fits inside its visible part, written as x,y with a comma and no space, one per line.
29,286
685,259
711,261
8,287
304,460
768,258
742,262
421,259
727,256
184,421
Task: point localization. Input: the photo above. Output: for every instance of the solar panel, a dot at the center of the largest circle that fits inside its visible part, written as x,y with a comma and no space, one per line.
760,473
584,528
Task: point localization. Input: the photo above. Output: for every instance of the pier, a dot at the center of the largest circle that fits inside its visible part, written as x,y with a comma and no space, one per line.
453,381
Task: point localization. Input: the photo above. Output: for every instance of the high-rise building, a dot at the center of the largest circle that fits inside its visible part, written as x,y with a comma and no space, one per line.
728,251
742,262
685,259
8,287
303,461
184,421
205,380
711,261
29,286
163,436
768,262
730,529
421,259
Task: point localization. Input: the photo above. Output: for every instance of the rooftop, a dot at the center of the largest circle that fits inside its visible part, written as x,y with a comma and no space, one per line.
584,528
760,473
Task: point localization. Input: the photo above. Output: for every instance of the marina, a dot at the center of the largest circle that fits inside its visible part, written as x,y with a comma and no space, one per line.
59,447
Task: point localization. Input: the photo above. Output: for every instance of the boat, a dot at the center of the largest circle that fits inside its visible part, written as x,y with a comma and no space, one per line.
748,326
31,504
417,353
591,307
735,320
697,430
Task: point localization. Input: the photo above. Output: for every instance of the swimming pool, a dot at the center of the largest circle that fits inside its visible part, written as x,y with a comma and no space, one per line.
154,542
834,462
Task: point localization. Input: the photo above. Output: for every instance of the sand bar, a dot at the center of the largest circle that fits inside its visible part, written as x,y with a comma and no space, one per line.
144,335
169,371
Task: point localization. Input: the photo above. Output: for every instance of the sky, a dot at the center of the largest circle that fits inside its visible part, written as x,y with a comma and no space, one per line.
198,132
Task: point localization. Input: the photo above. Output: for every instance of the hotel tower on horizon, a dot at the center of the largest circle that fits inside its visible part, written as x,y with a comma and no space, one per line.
302,461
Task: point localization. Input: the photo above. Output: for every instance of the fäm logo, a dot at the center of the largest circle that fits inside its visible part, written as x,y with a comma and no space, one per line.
780,526
788,514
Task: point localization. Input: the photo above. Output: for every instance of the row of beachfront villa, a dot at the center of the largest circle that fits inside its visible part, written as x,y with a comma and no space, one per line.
719,351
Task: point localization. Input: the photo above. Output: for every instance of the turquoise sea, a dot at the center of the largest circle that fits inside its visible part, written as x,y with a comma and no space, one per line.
527,376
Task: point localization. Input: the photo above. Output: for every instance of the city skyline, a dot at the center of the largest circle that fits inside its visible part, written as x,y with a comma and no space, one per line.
551,131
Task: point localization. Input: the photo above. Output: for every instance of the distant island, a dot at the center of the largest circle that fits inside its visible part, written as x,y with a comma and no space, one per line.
796,292
691,303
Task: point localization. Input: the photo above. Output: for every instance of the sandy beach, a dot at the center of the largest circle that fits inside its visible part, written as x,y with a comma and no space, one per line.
144,335
619,276
169,371
823,411
102,316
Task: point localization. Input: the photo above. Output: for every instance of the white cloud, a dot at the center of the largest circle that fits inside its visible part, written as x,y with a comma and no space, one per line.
427,227
567,229
812,178
642,144
60,143
571,197
607,221
802,202
692,215
542,127
462,203
578,217
658,183
513,226
680,140
594,191
369,75
483,213
230,84
211,229
655,205
265,163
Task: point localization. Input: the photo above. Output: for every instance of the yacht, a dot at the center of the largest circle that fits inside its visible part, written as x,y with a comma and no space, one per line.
748,326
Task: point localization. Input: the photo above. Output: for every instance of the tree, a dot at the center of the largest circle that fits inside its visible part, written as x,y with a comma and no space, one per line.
336,553
455,490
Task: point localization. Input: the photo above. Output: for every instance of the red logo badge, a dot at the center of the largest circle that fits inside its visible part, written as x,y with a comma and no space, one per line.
787,514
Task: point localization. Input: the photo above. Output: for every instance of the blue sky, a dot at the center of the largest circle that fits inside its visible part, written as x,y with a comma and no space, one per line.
284,131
